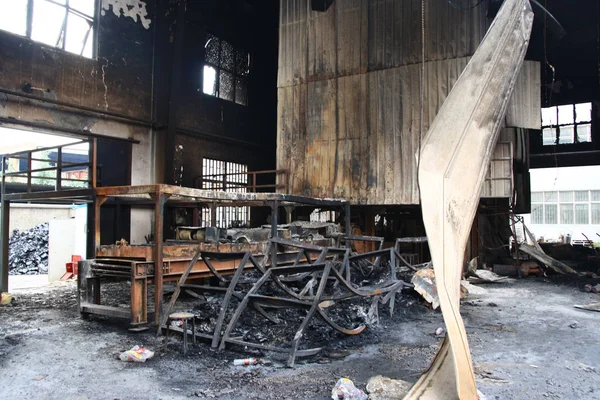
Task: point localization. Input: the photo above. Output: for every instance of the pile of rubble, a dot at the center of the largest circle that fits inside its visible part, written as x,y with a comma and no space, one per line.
28,251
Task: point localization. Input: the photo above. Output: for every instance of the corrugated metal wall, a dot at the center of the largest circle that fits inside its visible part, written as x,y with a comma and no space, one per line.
349,95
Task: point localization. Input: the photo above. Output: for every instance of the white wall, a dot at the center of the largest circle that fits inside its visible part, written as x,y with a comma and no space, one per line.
26,216
61,246
565,178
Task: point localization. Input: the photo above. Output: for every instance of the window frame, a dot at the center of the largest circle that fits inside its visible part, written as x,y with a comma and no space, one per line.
62,38
556,128
571,202
228,183
218,68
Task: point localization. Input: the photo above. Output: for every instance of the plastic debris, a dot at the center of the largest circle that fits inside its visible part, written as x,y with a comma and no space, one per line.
345,389
592,289
5,299
439,331
137,354
382,388
424,281
245,361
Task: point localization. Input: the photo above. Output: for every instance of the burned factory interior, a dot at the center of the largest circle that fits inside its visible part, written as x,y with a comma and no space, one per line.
300,199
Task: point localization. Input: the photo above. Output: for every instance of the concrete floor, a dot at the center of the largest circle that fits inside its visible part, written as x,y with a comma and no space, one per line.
528,342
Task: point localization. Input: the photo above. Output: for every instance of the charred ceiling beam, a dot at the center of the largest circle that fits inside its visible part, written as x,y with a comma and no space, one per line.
321,5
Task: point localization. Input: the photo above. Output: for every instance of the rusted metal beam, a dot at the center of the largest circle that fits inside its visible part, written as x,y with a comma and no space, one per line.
159,210
213,195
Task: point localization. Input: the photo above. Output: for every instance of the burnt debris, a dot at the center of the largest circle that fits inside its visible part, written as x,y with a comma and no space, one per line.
28,251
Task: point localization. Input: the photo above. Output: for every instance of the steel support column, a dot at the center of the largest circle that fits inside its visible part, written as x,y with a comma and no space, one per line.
4,235
159,210
274,214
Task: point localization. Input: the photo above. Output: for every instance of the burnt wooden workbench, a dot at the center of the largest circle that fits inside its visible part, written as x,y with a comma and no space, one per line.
171,258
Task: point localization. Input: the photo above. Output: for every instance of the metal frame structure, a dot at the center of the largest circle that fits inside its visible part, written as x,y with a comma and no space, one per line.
157,196
328,274
41,193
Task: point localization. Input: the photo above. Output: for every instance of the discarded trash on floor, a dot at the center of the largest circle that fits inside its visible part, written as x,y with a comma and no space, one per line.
345,389
589,307
245,361
383,388
5,299
137,354
485,276
471,289
592,289
424,281
538,254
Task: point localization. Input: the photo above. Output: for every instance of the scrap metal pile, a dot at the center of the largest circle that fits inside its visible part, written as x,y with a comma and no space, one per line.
278,307
28,251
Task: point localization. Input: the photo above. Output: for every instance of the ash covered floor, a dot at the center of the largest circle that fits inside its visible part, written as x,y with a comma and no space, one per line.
527,342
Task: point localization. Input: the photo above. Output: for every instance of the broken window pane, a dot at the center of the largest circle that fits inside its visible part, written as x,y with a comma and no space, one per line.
212,47
226,85
48,23
210,80
227,56
53,22
78,31
242,63
240,91
550,214
228,68
582,214
84,6
13,17
88,50
583,112
566,214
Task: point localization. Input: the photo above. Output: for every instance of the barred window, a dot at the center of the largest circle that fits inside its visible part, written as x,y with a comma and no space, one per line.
229,177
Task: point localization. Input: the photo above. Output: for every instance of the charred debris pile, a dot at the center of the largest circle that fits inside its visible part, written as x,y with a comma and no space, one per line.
28,251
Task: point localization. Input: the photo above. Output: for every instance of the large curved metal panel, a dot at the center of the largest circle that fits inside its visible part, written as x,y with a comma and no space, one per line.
454,159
